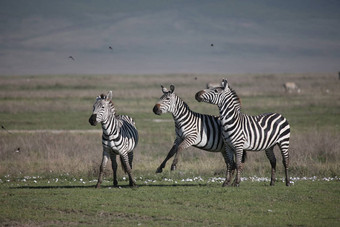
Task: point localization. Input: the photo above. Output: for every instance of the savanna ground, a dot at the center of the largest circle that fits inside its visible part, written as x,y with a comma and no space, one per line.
51,180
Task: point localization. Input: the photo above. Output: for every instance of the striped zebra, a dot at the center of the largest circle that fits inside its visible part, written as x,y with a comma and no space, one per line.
250,133
120,137
192,129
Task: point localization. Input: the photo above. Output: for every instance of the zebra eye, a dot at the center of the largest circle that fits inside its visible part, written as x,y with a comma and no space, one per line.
167,98
216,90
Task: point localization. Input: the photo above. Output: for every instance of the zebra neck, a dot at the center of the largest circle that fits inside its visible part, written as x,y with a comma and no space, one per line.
110,124
229,113
181,109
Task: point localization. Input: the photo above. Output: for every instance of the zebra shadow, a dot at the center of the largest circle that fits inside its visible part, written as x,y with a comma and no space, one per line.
106,186
52,187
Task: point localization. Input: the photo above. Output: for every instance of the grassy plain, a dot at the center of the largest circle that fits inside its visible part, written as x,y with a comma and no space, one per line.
47,117
65,103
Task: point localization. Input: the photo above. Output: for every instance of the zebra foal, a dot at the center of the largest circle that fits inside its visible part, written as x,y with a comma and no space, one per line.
250,133
120,137
191,128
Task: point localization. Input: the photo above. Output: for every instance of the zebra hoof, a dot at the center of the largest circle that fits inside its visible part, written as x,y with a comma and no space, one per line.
173,167
159,170
226,184
133,185
236,185
97,185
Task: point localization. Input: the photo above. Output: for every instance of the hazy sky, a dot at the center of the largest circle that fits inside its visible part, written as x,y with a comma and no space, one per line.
154,36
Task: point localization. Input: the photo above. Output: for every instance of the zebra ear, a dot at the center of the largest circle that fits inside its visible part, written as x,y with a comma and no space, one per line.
172,88
109,96
225,84
164,90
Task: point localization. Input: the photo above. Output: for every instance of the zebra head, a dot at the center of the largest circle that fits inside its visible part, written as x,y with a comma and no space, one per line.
219,95
102,108
166,102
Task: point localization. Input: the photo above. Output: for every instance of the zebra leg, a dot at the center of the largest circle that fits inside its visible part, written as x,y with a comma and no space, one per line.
285,158
170,154
228,175
239,153
271,156
183,145
102,168
114,168
229,160
128,170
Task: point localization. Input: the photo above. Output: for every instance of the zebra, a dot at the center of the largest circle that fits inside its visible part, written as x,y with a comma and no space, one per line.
120,137
191,128
250,133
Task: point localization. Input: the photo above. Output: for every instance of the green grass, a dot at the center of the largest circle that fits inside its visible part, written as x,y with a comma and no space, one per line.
199,204
46,120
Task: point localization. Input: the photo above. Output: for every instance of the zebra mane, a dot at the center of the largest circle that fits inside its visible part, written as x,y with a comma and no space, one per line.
236,99
184,103
180,101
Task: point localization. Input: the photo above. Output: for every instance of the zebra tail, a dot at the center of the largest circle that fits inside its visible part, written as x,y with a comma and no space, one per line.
244,156
123,164
130,158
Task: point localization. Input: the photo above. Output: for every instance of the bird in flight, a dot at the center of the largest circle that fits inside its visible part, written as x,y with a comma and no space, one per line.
212,44
72,58
3,127
110,47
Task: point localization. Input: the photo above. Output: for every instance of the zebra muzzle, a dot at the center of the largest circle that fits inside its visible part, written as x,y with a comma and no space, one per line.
157,109
198,96
92,119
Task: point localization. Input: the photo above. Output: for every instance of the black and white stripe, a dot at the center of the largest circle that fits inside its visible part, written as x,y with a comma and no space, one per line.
251,133
192,129
120,137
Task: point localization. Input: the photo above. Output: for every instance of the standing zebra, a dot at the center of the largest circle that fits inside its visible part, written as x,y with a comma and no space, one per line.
250,133
192,129
120,137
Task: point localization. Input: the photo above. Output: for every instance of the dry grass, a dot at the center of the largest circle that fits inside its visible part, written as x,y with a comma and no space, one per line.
50,154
